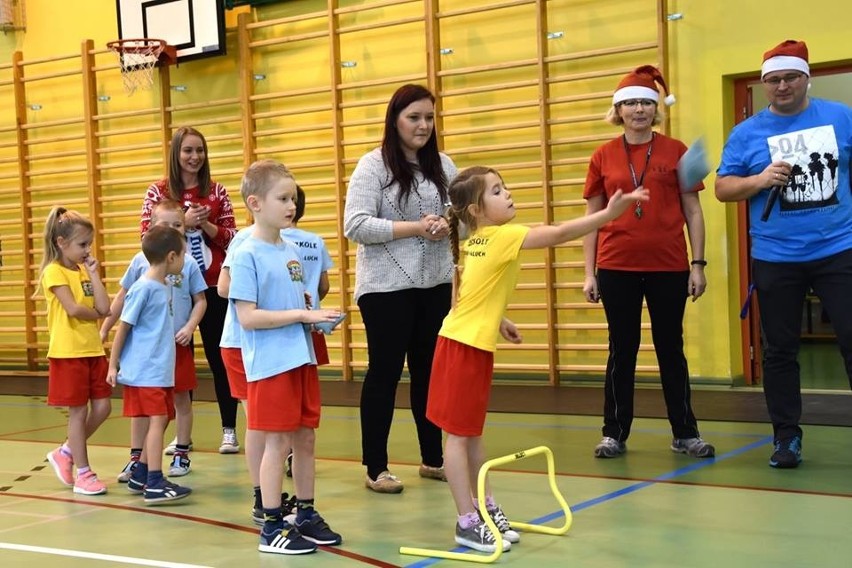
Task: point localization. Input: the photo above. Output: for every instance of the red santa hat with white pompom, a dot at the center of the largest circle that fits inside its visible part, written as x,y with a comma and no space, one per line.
641,83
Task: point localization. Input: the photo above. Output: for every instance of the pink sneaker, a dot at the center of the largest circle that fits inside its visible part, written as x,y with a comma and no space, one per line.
89,484
62,466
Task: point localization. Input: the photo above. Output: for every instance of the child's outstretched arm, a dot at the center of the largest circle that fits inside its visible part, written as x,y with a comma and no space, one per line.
114,313
550,235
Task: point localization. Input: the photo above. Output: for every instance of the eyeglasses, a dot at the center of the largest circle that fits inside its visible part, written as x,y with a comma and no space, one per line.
790,79
630,103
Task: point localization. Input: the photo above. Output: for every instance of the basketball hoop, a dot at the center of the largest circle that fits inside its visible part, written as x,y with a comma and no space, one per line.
137,59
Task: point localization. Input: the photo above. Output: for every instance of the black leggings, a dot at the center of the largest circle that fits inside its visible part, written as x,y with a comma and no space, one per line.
211,327
399,325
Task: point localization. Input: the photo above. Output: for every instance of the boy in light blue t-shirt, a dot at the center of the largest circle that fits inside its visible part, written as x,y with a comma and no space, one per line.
267,289
143,360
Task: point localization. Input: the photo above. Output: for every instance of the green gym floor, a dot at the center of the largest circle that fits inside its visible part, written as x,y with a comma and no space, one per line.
650,507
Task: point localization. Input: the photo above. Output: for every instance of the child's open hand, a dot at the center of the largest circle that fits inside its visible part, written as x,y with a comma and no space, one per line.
320,316
620,201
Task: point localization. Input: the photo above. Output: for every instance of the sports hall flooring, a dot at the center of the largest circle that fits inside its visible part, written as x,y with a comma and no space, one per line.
649,508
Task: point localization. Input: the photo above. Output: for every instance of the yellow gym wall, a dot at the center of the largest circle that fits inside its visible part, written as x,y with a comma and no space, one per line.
710,44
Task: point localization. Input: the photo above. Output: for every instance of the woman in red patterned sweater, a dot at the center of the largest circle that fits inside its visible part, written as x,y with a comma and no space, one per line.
210,226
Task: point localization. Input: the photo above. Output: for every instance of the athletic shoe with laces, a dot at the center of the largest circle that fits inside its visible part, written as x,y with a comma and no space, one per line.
229,445
63,466
165,492
503,525
479,537
172,447
288,507
127,472
89,484
385,483
283,538
693,447
316,530
609,448
787,454
179,466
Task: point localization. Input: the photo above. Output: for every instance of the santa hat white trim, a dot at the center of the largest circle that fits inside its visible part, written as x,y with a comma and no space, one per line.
784,63
635,92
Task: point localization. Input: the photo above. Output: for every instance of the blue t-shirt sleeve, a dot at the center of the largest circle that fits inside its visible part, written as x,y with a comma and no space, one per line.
134,303
243,277
138,266
196,279
733,156
326,258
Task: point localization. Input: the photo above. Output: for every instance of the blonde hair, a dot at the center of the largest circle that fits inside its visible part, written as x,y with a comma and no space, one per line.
64,223
615,119
260,176
165,205
465,190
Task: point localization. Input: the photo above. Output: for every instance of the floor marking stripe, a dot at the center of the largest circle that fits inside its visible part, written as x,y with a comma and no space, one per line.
621,492
96,556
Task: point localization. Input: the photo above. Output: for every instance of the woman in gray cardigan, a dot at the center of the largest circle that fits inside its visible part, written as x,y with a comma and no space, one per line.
403,273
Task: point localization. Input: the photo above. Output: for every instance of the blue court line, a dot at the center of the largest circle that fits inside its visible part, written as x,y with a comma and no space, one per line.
621,492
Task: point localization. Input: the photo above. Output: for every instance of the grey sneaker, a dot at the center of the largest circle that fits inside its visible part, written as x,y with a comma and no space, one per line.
230,445
479,537
610,448
503,525
694,447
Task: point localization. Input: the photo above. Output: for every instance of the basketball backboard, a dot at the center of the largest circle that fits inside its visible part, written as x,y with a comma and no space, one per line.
196,28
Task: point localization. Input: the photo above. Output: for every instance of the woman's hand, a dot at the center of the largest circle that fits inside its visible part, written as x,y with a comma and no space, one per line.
590,289
434,227
196,216
697,282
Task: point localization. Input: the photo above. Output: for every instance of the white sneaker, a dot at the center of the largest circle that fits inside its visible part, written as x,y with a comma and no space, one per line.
230,445
180,466
172,447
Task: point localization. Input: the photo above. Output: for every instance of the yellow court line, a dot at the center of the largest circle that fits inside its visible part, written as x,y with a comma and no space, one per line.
96,556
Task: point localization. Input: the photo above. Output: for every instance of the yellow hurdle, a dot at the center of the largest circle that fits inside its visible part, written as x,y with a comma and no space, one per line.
526,527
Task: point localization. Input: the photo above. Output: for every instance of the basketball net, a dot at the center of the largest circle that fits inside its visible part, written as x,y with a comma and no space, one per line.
137,59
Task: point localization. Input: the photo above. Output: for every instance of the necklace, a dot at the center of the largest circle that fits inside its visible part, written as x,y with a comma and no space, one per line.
638,182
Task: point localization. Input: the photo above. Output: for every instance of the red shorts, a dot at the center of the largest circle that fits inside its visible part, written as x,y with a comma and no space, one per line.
149,401
320,348
74,382
232,357
185,378
285,402
459,387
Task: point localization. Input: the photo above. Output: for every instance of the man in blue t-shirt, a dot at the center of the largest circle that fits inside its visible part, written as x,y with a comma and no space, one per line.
791,161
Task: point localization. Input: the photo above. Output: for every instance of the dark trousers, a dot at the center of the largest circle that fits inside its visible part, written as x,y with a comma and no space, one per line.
211,327
400,325
781,289
665,293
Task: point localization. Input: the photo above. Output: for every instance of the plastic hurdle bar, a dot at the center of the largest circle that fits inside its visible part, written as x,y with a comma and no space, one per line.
526,527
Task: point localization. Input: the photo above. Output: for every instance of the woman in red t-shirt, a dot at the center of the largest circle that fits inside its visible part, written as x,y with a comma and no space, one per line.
643,256
210,226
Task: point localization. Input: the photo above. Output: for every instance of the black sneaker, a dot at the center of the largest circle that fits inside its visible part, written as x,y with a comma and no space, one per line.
288,509
787,454
315,529
282,538
165,492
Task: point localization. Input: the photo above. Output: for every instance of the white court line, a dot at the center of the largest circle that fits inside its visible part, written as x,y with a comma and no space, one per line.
96,556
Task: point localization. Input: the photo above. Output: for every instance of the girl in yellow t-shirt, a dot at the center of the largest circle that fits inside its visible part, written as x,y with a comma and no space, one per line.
76,299
463,364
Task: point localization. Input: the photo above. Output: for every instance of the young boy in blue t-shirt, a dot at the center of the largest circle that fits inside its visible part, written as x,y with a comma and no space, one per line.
143,360
283,397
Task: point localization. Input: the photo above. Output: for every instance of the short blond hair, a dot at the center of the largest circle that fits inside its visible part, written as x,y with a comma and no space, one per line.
261,176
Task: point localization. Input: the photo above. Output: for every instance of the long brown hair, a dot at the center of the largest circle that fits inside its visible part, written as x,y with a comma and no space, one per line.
176,187
428,157
60,223
465,190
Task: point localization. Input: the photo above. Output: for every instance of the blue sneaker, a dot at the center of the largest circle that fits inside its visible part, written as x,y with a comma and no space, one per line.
165,492
282,538
135,486
787,454
315,529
